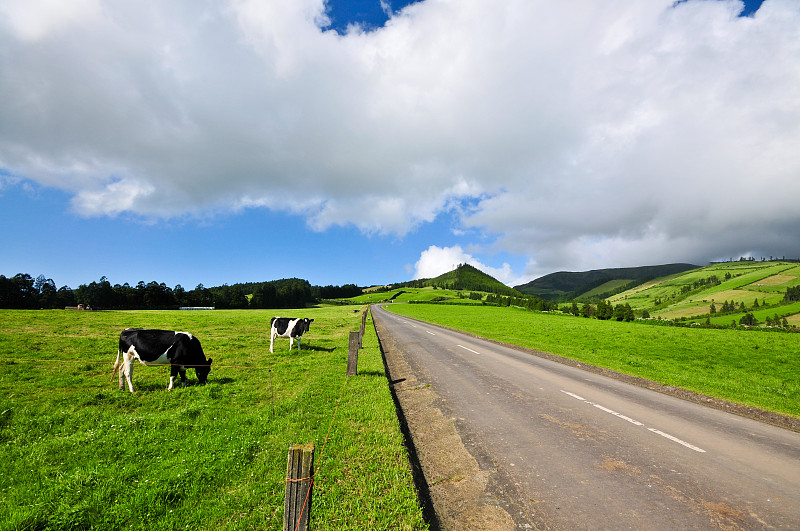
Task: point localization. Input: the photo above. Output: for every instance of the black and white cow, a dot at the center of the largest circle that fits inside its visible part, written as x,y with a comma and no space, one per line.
160,347
290,327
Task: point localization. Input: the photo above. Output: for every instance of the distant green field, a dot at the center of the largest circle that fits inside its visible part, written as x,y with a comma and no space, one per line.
760,369
79,454
678,297
604,288
416,295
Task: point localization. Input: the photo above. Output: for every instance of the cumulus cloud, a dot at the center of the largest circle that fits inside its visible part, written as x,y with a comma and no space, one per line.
435,261
579,133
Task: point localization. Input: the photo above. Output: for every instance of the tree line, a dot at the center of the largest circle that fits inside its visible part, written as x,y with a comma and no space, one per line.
603,311
24,292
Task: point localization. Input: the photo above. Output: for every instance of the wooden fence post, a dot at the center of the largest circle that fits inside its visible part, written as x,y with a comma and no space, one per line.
299,486
352,354
362,329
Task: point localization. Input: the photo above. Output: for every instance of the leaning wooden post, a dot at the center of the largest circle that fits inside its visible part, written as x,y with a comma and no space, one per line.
299,487
352,354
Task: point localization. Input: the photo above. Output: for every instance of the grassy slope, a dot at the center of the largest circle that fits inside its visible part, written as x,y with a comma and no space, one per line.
604,288
468,278
765,281
415,295
576,283
79,454
760,369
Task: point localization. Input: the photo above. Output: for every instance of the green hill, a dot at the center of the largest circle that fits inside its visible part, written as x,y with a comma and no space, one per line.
733,288
464,277
597,283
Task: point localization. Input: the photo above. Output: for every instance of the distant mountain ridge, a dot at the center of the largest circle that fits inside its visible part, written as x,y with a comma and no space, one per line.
567,285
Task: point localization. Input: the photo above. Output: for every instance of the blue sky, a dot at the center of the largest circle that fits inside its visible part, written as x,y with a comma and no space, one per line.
367,142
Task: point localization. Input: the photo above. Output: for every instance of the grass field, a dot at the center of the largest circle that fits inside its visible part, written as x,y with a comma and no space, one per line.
760,369
681,297
79,454
416,295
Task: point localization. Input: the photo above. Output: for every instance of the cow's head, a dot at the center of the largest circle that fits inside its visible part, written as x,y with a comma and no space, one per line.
202,371
308,322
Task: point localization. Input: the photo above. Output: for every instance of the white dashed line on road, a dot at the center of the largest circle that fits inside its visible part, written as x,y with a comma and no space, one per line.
465,348
636,422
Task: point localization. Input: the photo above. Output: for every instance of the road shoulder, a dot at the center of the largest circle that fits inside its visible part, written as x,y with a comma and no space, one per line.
457,489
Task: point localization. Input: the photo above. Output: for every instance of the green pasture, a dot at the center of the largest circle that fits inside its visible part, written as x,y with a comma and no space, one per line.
426,294
755,368
760,314
765,281
604,288
78,453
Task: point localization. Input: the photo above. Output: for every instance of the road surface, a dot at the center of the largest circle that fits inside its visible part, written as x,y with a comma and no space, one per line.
563,448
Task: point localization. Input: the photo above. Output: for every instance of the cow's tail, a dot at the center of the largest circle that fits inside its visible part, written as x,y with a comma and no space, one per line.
117,365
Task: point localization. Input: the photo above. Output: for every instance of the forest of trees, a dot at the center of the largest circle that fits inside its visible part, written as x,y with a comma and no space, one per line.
24,292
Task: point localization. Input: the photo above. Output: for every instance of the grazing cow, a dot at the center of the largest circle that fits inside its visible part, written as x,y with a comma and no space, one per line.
160,347
288,327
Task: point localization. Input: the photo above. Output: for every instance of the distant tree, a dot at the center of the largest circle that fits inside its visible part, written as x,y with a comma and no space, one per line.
713,309
180,295
792,294
755,303
604,310
748,320
264,296
45,289
98,295
623,312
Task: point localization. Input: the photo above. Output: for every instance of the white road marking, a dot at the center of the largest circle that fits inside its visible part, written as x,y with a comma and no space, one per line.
573,395
465,348
620,415
431,333
673,438
636,422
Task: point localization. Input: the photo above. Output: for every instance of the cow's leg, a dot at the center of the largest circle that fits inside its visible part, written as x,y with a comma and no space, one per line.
174,371
271,340
127,369
291,343
298,342
116,368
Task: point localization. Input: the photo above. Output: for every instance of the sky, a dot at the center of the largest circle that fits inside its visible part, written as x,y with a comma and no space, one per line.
371,142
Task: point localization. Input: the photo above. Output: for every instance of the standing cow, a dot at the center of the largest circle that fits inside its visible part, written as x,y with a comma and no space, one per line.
160,347
290,327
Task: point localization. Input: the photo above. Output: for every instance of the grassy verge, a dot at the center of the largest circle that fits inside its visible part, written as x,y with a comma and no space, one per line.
760,369
79,454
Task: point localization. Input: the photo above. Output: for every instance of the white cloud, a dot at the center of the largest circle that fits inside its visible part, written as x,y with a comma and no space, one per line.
579,133
435,261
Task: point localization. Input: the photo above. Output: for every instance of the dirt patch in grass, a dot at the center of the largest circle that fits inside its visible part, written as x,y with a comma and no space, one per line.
775,280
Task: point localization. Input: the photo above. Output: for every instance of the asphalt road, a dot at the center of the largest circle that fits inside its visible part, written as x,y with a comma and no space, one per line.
578,450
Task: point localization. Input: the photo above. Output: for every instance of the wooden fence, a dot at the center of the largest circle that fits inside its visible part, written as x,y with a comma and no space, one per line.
300,461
